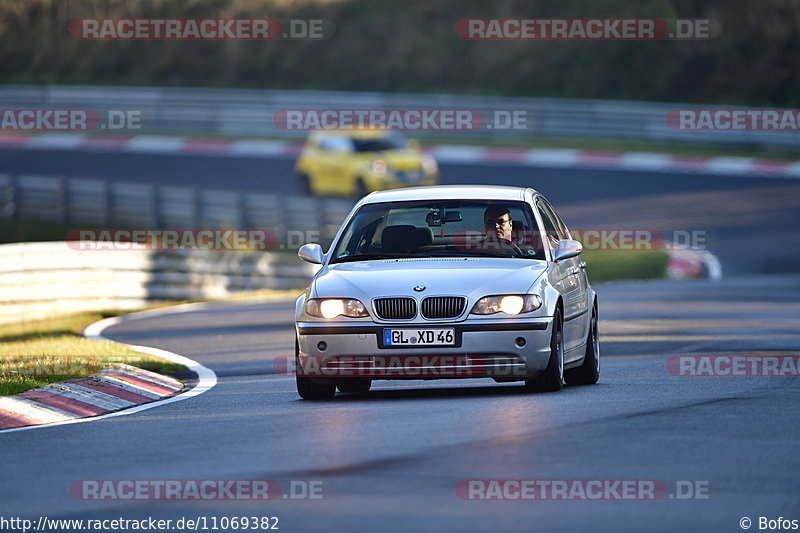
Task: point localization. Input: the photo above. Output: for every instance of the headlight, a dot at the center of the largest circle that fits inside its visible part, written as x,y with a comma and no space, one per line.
510,304
429,165
333,307
379,167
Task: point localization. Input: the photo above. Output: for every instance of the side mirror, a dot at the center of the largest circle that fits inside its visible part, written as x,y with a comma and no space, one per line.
567,248
311,253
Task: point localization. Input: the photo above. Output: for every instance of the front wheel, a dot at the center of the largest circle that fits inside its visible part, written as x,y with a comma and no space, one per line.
552,379
589,372
307,389
304,181
361,189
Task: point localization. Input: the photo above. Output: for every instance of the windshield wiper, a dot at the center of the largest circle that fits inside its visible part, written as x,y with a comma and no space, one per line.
479,253
370,257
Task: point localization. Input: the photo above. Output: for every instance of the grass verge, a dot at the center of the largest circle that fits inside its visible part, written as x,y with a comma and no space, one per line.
607,265
13,230
35,353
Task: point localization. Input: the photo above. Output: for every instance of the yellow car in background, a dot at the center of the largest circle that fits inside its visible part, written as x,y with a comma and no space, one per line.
355,162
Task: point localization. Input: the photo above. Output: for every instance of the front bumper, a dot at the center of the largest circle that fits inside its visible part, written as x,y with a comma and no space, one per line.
505,350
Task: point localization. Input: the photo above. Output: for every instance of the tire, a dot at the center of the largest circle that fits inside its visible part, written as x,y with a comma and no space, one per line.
589,372
355,385
552,379
361,189
306,388
305,184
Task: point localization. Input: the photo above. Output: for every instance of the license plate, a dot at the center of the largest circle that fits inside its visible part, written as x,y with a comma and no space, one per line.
419,337
410,177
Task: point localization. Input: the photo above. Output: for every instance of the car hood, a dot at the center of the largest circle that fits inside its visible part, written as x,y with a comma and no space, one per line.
471,277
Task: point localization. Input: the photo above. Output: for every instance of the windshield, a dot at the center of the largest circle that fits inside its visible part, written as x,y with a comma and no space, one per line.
453,228
379,144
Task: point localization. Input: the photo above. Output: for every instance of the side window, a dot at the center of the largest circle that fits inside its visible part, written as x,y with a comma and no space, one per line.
562,228
359,238
551,229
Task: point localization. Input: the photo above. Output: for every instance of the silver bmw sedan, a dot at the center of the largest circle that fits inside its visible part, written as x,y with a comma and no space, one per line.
447,282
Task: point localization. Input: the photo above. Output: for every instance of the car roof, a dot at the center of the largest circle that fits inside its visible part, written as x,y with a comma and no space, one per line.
449,192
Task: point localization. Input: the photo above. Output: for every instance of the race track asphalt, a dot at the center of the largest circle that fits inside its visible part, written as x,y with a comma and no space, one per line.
390,459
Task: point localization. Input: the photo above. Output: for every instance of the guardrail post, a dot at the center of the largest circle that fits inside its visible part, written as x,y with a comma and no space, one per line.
242,219
7,208
155,212
62,209
106,201
14,198
196,207
244,215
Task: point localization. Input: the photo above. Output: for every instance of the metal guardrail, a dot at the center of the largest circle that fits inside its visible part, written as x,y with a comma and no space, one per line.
252,112
42,279
38,280
96,203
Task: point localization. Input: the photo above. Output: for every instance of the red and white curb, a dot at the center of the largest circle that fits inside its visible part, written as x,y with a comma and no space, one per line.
115,387
452,154
692,263
116,391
